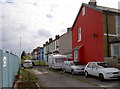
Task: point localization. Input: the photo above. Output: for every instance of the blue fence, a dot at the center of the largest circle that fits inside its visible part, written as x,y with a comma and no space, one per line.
9,65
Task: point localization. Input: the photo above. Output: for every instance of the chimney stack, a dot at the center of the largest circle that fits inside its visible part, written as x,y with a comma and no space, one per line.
57,37
43,45
93,2
50,40
46,42
68,30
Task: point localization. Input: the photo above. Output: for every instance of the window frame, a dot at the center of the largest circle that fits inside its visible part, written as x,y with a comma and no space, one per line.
113,50
75,56
117,18
79,34
83,11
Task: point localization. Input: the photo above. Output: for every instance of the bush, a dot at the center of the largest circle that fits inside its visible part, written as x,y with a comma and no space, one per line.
26,75
42,63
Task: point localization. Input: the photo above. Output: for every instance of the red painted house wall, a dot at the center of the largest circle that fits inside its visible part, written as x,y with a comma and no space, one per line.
91,23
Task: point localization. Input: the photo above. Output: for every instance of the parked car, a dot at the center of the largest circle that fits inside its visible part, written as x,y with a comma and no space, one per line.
27,64
101,70
73,67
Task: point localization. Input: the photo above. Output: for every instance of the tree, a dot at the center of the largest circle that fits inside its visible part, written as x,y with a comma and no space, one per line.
23,54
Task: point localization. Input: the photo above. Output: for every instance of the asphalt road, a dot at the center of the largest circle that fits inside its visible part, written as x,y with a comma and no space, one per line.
56,78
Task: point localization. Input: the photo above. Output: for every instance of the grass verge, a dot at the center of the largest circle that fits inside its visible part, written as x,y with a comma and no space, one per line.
57,71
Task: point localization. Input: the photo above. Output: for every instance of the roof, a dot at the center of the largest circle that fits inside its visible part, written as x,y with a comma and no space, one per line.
77,48
101,9
108,9
115,40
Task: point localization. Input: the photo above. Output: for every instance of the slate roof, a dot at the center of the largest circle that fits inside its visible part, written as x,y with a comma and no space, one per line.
101,9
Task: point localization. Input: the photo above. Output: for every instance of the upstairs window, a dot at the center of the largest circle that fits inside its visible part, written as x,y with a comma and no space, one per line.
118,25
83,11
79,34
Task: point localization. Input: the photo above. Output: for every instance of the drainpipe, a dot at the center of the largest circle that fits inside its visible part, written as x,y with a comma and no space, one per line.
108,47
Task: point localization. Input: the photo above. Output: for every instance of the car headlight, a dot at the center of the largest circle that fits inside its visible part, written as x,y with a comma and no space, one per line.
109,73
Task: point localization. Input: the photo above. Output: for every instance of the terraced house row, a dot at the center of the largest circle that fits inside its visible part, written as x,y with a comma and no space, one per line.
61,44
94,36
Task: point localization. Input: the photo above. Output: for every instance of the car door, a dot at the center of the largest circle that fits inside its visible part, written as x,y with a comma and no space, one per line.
89,68
66,66
69,67
95,70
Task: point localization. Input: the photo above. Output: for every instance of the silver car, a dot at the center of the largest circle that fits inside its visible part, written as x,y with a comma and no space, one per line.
73,67
27,64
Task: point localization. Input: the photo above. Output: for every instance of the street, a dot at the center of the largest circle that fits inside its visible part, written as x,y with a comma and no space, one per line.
56,78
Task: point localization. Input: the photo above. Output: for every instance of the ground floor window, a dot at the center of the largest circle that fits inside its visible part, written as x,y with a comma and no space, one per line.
75,55
69,56
116,50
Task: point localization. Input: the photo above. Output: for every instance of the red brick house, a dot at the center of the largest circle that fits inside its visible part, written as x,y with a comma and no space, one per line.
93,27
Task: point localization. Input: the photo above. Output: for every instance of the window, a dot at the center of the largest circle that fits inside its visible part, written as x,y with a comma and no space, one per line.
79,34
116,48
89,65
118,25
76,56
83,11
94,65
69,56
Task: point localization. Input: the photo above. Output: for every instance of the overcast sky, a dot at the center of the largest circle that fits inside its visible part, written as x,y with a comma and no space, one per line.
37,20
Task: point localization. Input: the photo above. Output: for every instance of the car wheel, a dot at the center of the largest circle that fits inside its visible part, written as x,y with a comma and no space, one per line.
72,71
101,77
64,70
86,74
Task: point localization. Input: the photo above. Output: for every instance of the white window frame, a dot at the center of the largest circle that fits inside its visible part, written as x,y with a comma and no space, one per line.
117,25
79,34
83,11
112,49
75,55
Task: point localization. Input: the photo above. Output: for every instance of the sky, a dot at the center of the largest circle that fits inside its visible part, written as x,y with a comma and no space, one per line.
35,21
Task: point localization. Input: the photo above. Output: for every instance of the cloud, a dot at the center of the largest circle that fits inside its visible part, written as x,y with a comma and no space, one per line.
35,21
44,33
9,1
49,16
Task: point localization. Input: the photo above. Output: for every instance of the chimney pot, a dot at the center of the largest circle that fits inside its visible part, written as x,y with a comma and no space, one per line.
50,40
57,37
93,2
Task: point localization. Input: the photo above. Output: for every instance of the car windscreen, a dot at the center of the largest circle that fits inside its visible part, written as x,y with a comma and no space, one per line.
103,65
60,60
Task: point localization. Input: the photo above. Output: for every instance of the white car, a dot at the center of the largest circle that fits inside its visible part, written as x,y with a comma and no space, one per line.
28,64
101,70
73,67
